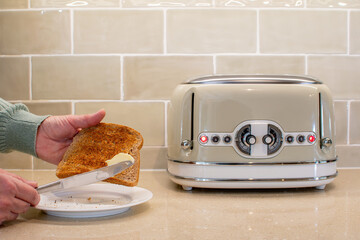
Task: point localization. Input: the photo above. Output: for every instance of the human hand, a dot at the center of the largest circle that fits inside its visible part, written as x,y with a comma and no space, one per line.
55,134
16,195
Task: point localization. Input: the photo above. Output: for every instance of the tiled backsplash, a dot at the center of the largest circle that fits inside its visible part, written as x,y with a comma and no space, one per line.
126,56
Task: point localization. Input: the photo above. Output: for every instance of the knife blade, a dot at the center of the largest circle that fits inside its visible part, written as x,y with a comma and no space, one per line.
85,178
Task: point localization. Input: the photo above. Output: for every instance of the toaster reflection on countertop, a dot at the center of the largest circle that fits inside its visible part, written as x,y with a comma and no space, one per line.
280,134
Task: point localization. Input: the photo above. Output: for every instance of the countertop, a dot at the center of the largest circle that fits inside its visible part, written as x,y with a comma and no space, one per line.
172,213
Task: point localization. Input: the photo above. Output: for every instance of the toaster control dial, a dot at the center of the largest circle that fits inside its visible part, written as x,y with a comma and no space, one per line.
227,139
251,139
289,139
215,139
268,139
300,138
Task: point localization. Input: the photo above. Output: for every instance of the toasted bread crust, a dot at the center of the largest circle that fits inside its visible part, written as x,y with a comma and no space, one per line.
91,147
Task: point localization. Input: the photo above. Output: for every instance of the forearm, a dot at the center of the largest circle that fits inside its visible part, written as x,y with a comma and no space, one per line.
18,128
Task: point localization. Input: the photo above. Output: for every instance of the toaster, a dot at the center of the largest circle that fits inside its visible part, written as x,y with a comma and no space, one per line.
251,131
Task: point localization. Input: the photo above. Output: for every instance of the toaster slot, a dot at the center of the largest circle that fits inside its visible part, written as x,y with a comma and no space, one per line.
192,120
321,120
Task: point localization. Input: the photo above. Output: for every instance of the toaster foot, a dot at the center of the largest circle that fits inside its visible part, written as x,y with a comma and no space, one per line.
321,187
186,188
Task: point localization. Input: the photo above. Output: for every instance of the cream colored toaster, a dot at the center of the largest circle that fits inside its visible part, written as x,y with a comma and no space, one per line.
251,131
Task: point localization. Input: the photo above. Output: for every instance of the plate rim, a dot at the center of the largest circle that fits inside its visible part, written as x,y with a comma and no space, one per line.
148,196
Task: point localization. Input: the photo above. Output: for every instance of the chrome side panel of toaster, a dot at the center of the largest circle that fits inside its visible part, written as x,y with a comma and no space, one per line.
257,118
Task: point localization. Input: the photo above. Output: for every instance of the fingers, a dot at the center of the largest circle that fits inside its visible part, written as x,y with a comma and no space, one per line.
16,196
12,216
87,120
19,206
27,193
11,207
55,134
7,216
31,183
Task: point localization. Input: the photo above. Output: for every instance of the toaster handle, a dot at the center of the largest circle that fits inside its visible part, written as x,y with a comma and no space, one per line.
326,142
321,121
186,144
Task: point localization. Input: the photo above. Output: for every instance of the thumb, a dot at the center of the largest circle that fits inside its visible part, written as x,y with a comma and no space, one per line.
86,120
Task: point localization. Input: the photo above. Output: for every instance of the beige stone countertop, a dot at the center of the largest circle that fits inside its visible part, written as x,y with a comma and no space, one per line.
172,213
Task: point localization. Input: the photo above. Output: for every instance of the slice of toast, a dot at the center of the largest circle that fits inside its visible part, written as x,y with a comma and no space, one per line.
91,147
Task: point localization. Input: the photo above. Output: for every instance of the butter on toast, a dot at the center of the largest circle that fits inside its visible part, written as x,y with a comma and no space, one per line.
93,146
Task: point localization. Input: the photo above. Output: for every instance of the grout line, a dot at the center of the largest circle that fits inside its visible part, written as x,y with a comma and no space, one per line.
141,169
165,31
72,31
348,168
257,31
348,122
29,3
348,145
53,170
177,8
26,169
107,100
165,123
348,32
122,92
154,146
90,101
73,108
32,163
153,170
306,65
180,55
30,78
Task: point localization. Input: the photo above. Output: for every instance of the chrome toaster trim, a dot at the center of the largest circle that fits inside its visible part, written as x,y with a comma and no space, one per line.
254,79
199,174
253,163
253,179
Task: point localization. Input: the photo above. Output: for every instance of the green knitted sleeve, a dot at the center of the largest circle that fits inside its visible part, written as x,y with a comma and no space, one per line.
18,128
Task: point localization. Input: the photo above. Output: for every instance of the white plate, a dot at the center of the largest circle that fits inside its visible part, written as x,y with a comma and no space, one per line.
95,200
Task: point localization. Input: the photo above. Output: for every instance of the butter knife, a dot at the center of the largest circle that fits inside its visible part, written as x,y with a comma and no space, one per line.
85,178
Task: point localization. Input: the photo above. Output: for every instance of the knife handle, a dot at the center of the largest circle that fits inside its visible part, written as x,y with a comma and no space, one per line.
49,187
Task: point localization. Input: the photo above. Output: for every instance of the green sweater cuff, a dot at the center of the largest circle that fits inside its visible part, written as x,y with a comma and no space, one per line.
18,129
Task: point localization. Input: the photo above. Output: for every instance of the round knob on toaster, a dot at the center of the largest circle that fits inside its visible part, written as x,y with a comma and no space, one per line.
186,144
268,139
326,142
251,139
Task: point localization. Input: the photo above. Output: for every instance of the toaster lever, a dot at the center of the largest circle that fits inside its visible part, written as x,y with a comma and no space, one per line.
326,142
186,144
